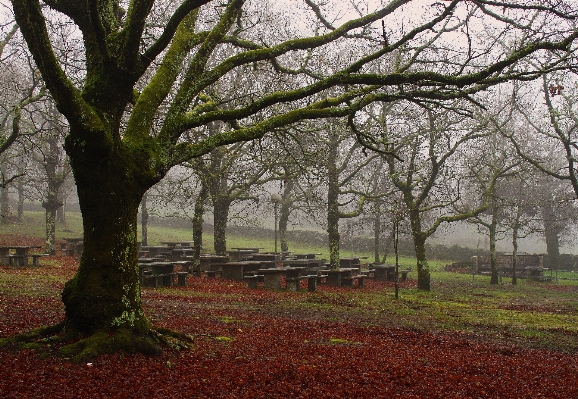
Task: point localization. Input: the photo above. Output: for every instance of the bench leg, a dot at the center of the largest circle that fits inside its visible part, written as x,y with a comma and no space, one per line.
312,284
167,281
182,279
292,284
252,282
360,281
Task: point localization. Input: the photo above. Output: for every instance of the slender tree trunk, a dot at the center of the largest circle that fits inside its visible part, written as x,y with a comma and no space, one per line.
20,209
198,225
61,212
515,230
551,232
376,235
4,205
515,252
284,213
493,257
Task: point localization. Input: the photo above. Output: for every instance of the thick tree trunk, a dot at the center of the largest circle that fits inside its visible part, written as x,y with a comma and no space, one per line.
220,216
104,295
423,274
333,217
51,205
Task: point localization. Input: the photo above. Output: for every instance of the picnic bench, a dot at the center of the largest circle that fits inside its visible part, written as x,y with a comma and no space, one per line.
156,274
22,260
254,279
345,277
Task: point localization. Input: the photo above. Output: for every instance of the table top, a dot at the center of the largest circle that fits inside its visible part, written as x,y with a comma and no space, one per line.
343,270
281,269
19,246
243,263
247,249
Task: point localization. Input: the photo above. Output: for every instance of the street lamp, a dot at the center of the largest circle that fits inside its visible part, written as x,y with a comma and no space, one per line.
276,200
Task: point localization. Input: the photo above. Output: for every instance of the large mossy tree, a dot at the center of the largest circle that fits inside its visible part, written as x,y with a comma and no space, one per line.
144,96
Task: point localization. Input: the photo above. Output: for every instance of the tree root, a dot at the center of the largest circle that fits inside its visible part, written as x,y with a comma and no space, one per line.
81,348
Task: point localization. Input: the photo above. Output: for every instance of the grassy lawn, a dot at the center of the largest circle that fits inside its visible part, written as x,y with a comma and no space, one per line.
543,314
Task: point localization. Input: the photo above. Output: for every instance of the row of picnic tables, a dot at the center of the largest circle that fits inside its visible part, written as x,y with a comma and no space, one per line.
273,270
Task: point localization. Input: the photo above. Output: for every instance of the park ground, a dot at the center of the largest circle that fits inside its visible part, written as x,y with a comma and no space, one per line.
464,339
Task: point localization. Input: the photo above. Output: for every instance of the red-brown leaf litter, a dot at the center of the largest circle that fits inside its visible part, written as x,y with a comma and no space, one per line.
242,350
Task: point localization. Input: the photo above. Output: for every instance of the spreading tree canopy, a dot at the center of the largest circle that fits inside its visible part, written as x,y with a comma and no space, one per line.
143,83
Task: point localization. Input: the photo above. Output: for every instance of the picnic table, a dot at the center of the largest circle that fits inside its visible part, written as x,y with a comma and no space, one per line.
20,255
344,276
383,272
154,251
265,256
241,253
154,274
350,262
238,270
293,276
73,246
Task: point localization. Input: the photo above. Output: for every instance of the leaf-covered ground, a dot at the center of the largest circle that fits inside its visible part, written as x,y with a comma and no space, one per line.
263,344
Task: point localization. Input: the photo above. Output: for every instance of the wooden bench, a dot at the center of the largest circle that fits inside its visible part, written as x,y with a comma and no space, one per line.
254,279
159,280
18,260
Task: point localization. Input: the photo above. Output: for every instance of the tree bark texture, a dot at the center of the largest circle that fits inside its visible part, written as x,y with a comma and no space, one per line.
551,233
105,292
285,211
220,215
198,224
419,239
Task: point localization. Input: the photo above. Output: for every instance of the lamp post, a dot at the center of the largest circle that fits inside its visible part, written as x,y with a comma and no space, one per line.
276,200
